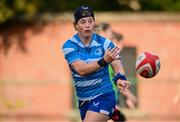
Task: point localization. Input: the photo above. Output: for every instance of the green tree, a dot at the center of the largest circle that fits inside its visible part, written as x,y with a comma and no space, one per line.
160,5
15,9
27,9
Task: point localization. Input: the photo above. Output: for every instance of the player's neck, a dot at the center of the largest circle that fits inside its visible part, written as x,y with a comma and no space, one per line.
85,40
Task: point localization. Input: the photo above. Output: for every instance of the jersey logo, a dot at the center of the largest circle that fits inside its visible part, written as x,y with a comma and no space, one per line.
95,103
98,51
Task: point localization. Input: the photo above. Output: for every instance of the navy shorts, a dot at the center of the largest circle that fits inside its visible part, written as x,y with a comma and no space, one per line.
102,104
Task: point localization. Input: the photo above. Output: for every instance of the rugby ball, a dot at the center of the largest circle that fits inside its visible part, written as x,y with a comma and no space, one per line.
147,64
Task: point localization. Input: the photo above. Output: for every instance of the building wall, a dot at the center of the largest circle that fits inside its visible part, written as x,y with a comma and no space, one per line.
38,82
156,96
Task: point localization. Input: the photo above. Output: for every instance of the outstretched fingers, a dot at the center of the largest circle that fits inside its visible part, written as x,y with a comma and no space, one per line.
112,54
123,85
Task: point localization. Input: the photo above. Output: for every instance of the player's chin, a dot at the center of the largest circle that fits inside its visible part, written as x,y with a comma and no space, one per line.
87,35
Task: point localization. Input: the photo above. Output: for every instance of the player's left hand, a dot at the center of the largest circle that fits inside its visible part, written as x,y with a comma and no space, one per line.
123,85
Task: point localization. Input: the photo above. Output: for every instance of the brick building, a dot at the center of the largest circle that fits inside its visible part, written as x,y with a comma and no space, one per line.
37,83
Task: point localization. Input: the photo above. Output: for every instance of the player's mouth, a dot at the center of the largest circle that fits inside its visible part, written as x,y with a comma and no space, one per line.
87,31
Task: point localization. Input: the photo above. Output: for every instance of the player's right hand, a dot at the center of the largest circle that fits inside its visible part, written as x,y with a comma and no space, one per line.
112,54
123,85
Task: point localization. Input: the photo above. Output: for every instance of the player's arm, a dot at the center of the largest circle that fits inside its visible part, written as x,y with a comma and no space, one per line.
131,99
120,79
117,67
84,68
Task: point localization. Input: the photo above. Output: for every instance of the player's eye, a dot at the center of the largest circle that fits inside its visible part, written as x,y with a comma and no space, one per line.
82,21
90,21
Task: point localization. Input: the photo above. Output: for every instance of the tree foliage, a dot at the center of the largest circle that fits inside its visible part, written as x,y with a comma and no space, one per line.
27,9
160,5
24,11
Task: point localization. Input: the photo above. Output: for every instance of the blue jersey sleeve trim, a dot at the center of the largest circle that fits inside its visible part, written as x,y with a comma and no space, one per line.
70,52
74,60
108,44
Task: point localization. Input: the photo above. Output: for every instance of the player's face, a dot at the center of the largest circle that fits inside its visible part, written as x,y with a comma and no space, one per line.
85,26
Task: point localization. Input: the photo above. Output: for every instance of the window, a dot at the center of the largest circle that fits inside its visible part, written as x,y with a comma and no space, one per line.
128,60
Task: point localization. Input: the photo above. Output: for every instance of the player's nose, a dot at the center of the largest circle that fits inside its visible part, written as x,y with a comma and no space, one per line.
87,25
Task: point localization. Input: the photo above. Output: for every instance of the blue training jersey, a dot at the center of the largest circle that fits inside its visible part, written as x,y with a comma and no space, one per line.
94,84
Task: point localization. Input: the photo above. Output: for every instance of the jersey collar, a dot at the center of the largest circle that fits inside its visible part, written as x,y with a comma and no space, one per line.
93,38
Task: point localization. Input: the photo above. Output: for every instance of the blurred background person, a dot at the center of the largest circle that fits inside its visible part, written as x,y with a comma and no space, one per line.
130,98
118,40
106,30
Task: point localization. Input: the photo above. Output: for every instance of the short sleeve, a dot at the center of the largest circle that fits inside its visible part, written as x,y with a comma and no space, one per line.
71,53
108,44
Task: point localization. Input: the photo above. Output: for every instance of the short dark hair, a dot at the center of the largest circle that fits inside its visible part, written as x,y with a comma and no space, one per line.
117,36
104,26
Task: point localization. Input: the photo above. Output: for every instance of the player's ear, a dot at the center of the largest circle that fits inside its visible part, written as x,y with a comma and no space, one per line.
75,24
